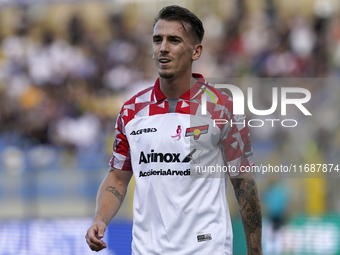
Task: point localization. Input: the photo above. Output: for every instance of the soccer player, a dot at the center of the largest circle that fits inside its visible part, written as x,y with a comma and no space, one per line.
164,138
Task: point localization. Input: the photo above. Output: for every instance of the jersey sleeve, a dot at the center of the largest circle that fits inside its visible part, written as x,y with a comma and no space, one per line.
121,149
236,144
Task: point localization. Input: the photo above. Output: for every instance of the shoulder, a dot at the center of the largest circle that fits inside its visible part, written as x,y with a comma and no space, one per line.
222,97
135,103
144,95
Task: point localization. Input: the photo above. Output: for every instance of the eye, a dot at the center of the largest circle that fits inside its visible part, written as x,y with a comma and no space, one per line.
175,40
157,40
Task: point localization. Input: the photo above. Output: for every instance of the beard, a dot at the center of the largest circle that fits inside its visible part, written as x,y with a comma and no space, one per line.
166,75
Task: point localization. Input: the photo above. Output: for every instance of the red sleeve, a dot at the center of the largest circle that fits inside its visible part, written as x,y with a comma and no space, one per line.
237,147
121,149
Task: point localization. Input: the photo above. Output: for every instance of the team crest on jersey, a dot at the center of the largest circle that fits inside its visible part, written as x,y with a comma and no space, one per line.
197,131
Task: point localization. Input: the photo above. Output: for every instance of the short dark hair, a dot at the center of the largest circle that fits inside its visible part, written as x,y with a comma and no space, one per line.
181,14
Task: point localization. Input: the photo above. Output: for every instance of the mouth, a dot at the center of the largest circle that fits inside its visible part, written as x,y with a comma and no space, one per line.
164,61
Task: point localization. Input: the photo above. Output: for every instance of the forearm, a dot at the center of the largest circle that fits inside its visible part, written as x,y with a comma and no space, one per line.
250,210
110,196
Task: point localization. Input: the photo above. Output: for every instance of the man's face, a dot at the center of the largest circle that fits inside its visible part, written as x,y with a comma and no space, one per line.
173,49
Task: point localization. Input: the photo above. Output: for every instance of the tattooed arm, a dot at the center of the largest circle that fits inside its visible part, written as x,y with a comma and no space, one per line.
250,209
110,196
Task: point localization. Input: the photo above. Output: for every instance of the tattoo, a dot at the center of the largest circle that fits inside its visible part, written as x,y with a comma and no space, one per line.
111,169
250,210
115,192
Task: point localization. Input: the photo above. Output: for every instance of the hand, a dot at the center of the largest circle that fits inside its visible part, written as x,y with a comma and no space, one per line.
94,235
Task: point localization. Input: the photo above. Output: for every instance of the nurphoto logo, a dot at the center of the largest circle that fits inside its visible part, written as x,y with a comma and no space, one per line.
239,102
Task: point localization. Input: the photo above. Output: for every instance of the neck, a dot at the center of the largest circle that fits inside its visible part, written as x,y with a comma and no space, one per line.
175,87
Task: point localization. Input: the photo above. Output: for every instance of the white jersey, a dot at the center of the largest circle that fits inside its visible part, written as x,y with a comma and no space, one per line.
179,207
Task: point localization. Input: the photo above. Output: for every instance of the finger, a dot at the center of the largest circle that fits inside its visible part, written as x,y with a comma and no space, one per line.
101,231
94,247
92,237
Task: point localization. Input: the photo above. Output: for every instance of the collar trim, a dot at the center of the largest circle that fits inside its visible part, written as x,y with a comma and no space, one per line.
190,94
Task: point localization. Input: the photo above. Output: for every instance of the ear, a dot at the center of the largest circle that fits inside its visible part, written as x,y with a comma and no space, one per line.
197,51
153,56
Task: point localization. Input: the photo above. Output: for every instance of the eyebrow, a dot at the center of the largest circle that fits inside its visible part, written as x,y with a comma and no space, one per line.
168,36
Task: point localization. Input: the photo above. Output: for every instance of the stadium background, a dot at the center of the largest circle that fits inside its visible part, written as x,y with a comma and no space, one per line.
66,67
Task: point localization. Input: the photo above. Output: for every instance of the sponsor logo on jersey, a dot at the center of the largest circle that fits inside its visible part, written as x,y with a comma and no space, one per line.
168,157
164,172
144,130
204,237
248,151
197,131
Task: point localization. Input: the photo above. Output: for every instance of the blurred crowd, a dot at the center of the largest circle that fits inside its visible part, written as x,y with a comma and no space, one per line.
59,96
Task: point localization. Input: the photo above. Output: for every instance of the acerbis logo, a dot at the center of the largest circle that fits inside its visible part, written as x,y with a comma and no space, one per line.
144,130
169,157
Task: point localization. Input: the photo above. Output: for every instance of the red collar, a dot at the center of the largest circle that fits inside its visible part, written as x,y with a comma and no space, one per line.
190,94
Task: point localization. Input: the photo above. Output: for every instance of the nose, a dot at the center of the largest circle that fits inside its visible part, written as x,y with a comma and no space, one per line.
164,46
